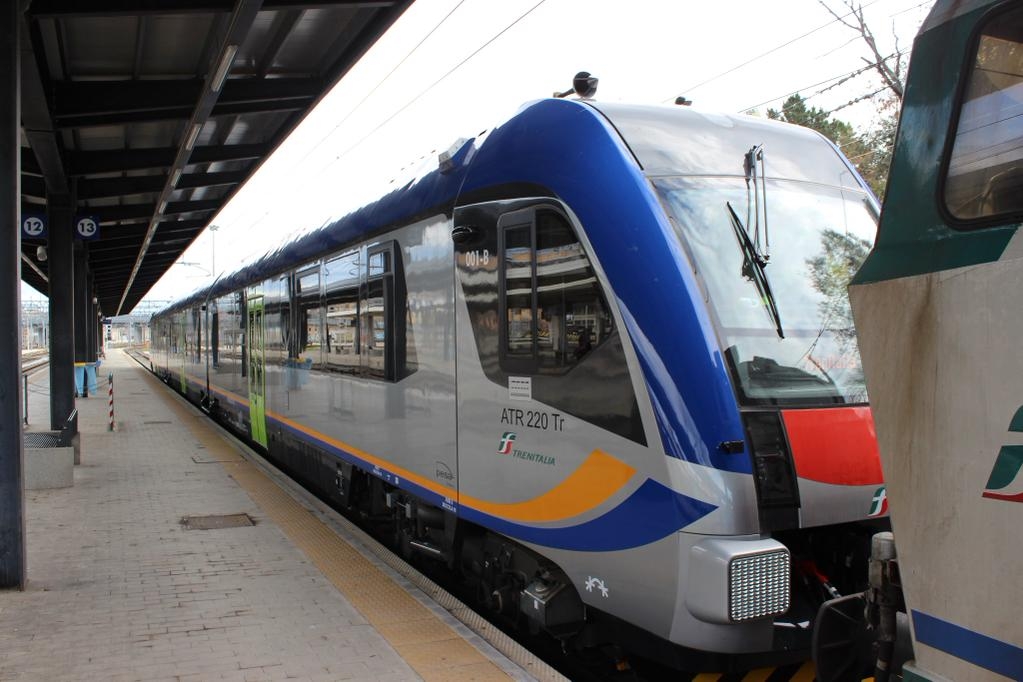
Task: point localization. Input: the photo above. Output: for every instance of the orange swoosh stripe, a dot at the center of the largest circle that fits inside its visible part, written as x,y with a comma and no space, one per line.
598,478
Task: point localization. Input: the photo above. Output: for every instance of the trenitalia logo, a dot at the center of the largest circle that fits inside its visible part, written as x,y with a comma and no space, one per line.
507,441
1005,482
879,505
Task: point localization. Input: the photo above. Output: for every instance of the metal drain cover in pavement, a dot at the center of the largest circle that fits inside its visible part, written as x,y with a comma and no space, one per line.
216,522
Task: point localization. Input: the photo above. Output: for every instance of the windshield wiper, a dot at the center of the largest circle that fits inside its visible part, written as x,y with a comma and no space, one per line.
753,265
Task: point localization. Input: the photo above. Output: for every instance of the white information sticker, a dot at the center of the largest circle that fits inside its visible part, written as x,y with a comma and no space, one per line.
520,388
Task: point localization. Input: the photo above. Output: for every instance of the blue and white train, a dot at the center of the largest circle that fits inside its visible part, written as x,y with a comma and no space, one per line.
600,360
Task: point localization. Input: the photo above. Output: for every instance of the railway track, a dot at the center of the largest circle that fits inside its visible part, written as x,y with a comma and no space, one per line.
34,359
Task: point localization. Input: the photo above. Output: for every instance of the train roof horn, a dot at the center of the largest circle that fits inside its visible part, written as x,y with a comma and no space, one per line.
583,85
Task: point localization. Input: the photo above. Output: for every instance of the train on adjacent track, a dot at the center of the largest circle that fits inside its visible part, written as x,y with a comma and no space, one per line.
937,311
599,360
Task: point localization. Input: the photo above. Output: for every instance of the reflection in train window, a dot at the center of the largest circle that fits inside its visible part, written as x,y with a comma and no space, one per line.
554,311
518,290
342,350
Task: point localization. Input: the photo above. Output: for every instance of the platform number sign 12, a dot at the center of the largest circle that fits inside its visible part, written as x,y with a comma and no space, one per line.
33,226
86,227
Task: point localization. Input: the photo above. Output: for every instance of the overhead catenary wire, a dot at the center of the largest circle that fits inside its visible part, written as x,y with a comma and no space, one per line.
832,82
910,9
437,82
856,100
387,120
380,82
768,52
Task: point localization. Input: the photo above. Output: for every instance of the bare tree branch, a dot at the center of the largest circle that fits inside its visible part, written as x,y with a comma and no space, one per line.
890,76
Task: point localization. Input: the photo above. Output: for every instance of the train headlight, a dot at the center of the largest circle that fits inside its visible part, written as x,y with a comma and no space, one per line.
758,585
735,580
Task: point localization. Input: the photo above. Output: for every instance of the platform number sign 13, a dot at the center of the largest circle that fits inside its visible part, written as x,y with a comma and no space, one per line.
33,226
86,227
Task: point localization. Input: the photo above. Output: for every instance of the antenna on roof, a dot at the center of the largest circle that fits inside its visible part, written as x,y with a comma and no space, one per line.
583,85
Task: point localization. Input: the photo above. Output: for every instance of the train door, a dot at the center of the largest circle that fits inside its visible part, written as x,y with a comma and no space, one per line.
256,347
541,377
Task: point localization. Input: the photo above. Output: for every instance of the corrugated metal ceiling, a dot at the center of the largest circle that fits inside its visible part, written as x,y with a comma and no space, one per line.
124,114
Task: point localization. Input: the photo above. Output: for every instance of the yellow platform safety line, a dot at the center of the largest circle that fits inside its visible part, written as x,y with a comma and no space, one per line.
427,644
806,673
760,675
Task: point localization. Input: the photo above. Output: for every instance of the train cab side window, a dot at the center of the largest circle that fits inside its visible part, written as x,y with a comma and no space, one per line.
984,176
554,314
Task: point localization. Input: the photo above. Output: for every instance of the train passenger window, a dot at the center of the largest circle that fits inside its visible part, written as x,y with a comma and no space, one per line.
984,175
309,313
342,329
376,309
379,263
554,311
341,305
309,282
362,290
342,271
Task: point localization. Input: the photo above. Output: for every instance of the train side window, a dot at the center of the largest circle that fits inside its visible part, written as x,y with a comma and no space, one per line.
554,314
984,174
309,313
341,302
376,314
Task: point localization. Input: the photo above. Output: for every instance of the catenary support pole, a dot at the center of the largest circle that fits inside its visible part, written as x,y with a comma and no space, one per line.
12,455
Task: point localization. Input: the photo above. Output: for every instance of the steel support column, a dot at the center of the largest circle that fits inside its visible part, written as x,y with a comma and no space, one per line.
62,318
93,309
12,455
83,301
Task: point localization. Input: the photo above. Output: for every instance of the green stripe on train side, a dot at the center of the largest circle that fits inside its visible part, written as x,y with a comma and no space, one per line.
914,237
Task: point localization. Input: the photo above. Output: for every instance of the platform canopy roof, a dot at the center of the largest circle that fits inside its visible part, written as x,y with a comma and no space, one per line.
149,114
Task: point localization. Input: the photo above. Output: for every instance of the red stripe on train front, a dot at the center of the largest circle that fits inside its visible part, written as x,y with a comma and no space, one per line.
836,445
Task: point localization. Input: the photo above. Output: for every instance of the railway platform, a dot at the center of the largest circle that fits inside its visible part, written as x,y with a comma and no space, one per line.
178,555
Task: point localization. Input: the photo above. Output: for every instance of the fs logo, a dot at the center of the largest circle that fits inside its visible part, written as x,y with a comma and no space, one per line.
507,441
879,505
1005,482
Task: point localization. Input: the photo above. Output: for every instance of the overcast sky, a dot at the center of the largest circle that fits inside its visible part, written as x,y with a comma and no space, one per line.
451,68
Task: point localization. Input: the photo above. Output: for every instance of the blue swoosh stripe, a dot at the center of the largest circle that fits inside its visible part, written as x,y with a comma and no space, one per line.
652,512
986,652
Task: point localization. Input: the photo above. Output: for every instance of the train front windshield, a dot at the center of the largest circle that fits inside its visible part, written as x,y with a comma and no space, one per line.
777,292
